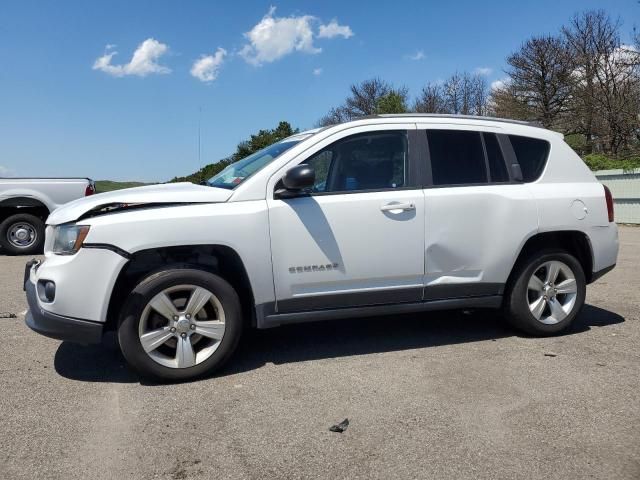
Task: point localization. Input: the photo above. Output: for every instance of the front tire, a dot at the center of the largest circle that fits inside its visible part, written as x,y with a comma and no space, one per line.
22,234
180,324
546,294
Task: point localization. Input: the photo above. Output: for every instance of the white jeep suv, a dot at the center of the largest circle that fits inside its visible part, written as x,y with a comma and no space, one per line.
383,215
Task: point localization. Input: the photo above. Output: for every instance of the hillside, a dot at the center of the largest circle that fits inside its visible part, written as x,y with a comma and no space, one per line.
110,185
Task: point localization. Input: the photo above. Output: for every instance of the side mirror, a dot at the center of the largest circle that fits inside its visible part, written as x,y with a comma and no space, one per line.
296,180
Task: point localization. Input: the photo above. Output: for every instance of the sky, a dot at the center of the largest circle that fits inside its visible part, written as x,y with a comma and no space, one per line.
116,90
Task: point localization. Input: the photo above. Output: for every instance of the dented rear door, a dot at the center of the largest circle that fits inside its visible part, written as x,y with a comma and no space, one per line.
474,229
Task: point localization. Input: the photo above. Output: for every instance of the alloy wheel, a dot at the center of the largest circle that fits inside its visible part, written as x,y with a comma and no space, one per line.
182,326
552,292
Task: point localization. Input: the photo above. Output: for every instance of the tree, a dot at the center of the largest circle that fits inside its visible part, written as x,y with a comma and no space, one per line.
256,142
365,99
461,93
262,139
336,115
430,100
465,94
392,102
505,102
579,35
539,81
605,100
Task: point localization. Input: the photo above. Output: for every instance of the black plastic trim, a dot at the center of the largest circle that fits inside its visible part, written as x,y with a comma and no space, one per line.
425,159
343,300
275,320
27,272
509,156
462,290
108,246
600,273
58,326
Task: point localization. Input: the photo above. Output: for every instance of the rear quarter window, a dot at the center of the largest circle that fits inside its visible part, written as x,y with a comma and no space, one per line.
532,154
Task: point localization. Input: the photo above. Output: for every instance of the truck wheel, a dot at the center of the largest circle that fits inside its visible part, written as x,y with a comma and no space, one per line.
179,324
22,234
546,294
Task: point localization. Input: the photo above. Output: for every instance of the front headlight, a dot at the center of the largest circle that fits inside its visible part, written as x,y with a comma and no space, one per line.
67,239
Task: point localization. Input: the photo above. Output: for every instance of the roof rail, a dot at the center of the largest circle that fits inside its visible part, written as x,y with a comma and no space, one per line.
450,115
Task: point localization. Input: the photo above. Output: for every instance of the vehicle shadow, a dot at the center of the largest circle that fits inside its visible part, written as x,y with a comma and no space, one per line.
313,341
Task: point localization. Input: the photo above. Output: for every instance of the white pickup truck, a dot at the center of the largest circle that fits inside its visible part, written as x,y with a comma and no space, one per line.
25,204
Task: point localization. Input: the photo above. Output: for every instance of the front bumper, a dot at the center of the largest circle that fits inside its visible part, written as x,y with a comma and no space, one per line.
58,326
83,282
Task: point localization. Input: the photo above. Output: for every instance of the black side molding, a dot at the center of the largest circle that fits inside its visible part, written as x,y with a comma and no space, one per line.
108,246
274,320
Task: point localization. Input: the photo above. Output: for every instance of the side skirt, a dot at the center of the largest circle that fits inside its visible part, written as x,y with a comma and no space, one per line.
267,319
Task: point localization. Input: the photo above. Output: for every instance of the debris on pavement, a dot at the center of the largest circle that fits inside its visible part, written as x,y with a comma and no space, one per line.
340,427
550,354
8,315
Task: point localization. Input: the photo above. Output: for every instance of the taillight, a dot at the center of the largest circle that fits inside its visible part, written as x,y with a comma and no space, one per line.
609,198
90,190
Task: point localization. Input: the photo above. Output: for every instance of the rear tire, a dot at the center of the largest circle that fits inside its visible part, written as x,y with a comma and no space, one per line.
22,234
546,293
195,332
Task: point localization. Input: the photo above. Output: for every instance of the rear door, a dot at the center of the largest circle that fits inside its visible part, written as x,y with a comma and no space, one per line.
358,237
477,216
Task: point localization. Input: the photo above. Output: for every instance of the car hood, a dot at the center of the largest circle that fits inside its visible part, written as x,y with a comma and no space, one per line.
163,194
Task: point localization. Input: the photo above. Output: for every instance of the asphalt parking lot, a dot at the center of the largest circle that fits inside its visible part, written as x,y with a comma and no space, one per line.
451,395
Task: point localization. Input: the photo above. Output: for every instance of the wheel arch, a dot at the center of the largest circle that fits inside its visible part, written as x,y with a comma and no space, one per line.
574,242
219,259
23,204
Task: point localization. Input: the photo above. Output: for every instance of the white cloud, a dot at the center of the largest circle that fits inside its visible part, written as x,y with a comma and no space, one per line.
143,62
5,172
333,29
483,71
419,55
500,83
206,67
274,37
317,71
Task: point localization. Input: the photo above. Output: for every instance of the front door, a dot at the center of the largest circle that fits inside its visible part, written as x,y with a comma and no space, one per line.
358,238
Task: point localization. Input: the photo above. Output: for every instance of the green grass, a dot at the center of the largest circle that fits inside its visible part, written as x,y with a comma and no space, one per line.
109,185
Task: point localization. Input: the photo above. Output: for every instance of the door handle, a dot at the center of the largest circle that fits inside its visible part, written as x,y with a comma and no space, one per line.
403,207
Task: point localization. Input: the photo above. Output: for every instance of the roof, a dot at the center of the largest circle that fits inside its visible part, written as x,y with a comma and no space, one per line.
435,116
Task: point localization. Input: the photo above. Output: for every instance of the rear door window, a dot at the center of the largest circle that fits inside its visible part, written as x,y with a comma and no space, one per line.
457,157
532,155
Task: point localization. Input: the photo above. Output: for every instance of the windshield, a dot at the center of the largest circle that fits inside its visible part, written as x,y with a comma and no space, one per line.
238,172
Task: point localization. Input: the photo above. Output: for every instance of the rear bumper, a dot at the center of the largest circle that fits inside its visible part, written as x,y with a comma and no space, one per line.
58,326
